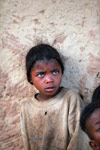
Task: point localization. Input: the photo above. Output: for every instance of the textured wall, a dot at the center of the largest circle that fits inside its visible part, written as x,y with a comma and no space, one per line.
72,26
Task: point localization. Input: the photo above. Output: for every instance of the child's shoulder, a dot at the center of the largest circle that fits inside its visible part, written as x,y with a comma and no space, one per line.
25,102
70,93
71,96
73,100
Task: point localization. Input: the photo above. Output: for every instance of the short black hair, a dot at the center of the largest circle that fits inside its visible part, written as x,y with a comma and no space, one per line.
87,112
96,94
41,52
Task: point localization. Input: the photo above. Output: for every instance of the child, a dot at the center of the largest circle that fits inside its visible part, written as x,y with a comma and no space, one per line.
96,94
50,120
90,123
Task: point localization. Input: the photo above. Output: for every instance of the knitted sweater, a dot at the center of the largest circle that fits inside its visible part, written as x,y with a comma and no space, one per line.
53,124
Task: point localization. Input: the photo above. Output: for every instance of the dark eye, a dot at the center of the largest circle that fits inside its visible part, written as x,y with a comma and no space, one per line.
40,74
55,71
98,129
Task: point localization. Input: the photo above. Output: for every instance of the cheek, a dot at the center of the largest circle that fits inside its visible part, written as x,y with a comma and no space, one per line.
38,82
58,80
60,77
97,137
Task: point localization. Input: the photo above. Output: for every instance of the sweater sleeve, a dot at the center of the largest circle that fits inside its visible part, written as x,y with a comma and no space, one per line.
24,128
77,139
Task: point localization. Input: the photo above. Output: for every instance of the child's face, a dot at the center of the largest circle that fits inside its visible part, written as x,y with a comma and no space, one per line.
46,76
93,128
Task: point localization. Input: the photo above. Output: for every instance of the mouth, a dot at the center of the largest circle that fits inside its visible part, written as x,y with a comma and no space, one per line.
50,89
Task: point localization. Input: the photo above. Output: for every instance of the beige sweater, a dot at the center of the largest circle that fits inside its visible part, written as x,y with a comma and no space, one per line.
53,124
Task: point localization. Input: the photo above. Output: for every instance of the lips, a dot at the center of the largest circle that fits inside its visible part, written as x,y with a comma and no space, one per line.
50,89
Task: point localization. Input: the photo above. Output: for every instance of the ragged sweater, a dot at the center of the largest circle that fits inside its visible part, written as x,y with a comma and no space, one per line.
53,124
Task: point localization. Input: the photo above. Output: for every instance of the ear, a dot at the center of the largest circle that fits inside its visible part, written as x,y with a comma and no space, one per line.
31,82
94,145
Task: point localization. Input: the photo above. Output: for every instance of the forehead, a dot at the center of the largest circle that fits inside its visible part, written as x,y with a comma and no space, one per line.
94,119
42,64
96,114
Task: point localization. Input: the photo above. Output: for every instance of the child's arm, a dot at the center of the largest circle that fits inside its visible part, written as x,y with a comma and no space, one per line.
78,140
24,129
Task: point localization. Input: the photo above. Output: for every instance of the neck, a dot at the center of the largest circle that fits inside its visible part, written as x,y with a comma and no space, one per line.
41,97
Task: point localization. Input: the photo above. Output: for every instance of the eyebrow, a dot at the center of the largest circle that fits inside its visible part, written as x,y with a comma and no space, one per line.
40,71
97,122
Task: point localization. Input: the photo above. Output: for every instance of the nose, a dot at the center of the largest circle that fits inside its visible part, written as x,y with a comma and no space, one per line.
49,78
